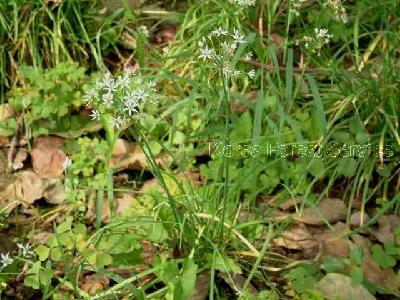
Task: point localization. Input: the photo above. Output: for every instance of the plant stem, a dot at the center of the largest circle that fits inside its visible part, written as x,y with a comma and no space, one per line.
226,159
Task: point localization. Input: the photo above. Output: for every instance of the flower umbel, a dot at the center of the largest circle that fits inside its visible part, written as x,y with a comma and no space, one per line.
219,48
26,249
120,98
320,38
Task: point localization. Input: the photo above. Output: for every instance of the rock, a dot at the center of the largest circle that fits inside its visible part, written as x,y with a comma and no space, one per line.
338,286
48,157
357,219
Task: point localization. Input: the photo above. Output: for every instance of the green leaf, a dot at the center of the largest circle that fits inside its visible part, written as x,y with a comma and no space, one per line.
356,255
187,280
243,128
226,264
333,265
356,274
347,166
65,226
382,258
43,252
157,233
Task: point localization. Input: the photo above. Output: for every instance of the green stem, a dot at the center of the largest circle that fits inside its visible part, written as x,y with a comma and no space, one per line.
153,164
226,159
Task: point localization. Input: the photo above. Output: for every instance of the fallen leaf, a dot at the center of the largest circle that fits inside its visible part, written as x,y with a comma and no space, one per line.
298,237
166,35
6,112
338,286
332,210
94,283
20,157
48,157
335,242
357,219
55,191
27,188
202,286
129,156
236,282
386,229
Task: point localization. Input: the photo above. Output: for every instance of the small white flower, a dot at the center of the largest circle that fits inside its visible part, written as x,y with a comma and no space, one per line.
67,163
143,29
123,81
89,96
248,56
116,122
238,36
5,260
130,70
108,99
206,53
219,31
108,83
202,42
236,73
251,74
26,249
140,94
229,47
95,115
130,107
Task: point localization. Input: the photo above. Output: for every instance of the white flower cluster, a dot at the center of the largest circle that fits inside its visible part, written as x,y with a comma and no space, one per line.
219,48
25,250
243,2
315,43
121,97
5,260
295,6
338,9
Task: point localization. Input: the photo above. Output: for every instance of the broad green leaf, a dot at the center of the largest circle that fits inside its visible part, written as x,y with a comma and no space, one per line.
382,258
43,252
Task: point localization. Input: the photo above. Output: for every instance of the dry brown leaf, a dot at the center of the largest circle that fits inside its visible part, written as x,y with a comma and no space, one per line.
122,202
236,281
94,283
48,157
20,157
55,191
6,112
27,188
386,229
129,156
358,219
335,242
202,286
338,286
166,35
239,107
298,237
333,210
